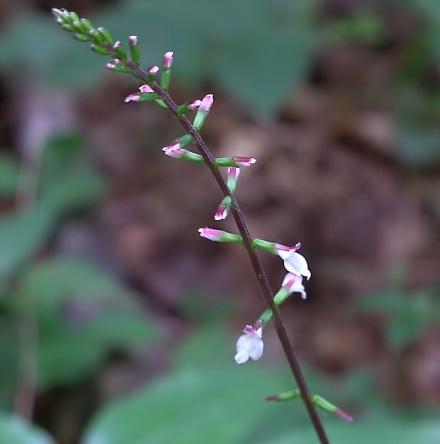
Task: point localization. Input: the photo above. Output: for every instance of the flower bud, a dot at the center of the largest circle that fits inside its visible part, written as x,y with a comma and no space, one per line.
206,103
241,161
219,235
167,60
134,49
250,344
146,89
203,111
132,41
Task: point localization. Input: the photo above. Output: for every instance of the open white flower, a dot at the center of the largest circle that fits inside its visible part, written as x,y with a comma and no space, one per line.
295,263
293,284
250,345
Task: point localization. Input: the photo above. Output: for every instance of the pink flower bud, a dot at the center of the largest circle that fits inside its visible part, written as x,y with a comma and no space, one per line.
233,173
174,150
244,161
221,213
110,65
133,98
206,103
194,104
117,44
167,60
145,89
212,234
153,70
343,415
133,40
281,249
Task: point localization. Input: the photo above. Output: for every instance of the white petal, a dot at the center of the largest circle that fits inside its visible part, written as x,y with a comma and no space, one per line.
283,254
249,345
297,264
257,350
241,357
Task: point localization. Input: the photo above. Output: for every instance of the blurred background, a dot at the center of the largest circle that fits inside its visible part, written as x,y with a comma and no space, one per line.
118,322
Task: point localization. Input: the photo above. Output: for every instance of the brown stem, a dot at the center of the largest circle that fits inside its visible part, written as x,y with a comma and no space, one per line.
247,241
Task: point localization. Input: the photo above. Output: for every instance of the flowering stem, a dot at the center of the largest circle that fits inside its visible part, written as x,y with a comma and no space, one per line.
260,274
247,242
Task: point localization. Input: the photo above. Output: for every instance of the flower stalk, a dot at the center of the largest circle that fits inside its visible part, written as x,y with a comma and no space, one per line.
69,21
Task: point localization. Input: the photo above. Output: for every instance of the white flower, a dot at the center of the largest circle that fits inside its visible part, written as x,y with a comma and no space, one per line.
250,345
293,284
295,263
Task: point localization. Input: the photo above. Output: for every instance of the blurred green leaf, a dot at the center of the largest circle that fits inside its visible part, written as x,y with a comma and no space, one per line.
82,313
258,51
76,189
51,56
362,26
9,174
408,314
402,330
9,347
385,432
22,234
385,302
207,398
67,182
14,430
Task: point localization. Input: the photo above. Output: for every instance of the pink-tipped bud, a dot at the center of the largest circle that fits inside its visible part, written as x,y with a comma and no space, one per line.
284,248
233,173
110,65
343,415
133,98
117,44
221,213
244,161
194,104
212,234
174,150
219,235
206,103
153,70
145,89
167,60
133,41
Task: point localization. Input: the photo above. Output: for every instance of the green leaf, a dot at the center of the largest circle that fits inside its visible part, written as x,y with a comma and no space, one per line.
67,182
389,302
258,79
386,432
207,398
14,430
258,51
82,313
9,349
9,174
76,189
22,234
402,330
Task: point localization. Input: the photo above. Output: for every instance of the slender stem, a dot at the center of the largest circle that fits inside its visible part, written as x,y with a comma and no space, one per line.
247,241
